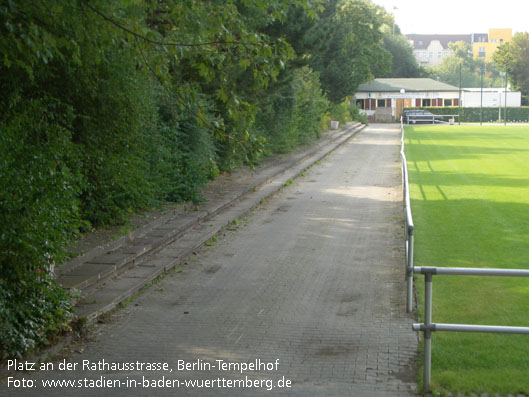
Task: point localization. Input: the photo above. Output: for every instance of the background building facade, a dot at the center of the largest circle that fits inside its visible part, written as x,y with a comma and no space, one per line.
430,49
484,45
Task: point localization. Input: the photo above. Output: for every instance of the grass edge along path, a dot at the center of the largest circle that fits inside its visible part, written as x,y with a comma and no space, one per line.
469,191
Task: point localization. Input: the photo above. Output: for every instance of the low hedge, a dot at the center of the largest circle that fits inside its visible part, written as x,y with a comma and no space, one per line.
472,115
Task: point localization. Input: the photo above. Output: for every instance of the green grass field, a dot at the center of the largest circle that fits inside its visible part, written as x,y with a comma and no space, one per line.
470,201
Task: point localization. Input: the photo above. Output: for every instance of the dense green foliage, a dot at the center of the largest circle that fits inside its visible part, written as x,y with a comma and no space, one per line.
513,56
347,47
472,115
403,62
470,204
110,107
44,313
293,113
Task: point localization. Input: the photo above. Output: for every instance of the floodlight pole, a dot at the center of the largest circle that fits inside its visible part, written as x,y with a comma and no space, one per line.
459,101
481,105
393,28
505,121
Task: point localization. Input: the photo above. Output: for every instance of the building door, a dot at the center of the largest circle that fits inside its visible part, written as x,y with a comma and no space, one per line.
400,104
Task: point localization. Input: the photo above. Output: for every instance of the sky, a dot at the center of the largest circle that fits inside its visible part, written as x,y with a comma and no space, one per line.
458,16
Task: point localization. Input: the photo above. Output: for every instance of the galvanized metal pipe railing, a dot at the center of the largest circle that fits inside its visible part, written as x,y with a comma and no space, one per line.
428,326
428,118
409,228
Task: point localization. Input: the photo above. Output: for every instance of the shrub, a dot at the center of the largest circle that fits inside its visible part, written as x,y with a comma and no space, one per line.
39,206
39,213
32,311
340,112
182,156
294,114
117,114
310,106
355,113
472,115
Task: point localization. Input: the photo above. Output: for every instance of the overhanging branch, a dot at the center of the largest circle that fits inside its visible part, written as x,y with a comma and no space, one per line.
163,43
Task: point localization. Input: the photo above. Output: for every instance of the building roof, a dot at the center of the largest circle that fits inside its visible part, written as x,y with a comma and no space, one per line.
410,85
422,41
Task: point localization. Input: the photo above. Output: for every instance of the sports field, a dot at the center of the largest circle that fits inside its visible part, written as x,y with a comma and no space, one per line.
470,201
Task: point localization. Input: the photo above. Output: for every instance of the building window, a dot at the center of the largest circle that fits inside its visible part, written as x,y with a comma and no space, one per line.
447,102
426,102
360,103
439,55
501,41
381,103
481,53
431,55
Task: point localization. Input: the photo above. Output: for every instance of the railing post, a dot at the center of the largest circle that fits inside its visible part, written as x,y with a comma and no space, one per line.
428,327
427,331
409,272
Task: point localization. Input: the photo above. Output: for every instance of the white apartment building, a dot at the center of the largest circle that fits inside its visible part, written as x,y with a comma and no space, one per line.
430,49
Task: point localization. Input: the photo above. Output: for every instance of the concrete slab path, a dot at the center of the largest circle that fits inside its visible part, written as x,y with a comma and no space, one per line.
304,298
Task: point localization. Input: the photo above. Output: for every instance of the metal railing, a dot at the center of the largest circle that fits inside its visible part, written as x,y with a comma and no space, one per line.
409,228
429,326
434,118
